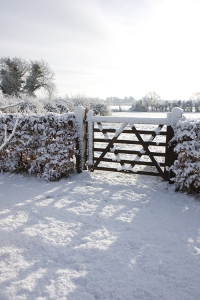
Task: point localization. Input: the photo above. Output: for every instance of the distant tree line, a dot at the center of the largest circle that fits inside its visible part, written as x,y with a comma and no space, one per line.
145,105
152,102
20,77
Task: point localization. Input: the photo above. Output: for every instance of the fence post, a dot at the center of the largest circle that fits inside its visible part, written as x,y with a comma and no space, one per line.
90,139
169,153
81,147
176,114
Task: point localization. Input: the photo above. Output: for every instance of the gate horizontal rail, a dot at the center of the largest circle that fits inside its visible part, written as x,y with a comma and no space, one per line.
127,171
130,152
129,142
129,131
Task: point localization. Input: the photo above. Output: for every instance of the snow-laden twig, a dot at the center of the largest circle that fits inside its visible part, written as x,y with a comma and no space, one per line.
187,165
11,105
7,139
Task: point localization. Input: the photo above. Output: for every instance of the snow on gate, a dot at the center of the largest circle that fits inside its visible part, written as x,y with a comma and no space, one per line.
131,145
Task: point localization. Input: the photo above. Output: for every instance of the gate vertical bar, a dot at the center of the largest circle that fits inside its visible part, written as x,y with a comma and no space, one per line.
81,147
90,139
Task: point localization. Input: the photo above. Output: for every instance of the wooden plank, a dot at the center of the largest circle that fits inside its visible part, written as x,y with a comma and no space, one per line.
126,161
129,142
107,149
144,144
123,151
127,171
132,120
151,132
147,132
139,154
110,145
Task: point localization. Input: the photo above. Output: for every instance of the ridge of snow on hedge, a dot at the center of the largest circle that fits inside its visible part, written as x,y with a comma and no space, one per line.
187,165
43,144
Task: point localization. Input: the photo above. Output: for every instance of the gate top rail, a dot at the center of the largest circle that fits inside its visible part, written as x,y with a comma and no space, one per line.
130,120
170,120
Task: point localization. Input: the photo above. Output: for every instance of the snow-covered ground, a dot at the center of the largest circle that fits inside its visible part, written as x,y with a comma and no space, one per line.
124,108
97,236
101,235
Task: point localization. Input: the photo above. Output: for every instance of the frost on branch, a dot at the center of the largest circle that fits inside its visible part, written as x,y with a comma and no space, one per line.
187,165
42,144
6,138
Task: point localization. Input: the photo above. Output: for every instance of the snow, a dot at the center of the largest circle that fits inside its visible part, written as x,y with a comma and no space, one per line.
134,114
7,139
176,115
187,165
142,151
124,108
120,130
130,120
99,235
169,118
47,152
137,158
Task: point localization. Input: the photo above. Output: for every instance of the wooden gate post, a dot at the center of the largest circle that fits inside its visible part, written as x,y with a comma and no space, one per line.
90,138
169,154
81,146
176,114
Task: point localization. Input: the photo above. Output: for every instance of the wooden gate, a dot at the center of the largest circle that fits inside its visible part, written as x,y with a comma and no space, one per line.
123,144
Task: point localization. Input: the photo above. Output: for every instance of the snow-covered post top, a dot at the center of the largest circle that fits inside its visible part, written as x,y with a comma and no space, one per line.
90,137
173,118
176,114
79,113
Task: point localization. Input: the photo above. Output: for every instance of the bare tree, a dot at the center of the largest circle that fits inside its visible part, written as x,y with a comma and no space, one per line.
196,101
51,91
152,98
40,76
12,73
19,77
195,96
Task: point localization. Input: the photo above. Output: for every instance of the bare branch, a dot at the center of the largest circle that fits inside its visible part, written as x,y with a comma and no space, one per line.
11,105
6,140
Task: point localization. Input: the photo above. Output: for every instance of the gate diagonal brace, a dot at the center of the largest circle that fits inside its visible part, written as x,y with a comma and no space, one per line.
133,162
110,145
147,151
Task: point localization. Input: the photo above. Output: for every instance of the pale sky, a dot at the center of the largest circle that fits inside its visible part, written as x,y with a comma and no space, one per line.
104,48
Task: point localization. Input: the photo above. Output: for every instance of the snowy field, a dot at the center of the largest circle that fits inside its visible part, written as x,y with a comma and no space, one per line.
152,114
124,108
98,235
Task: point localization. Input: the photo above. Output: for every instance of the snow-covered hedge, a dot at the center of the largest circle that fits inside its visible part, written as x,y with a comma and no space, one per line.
43,144
58,105
187,165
